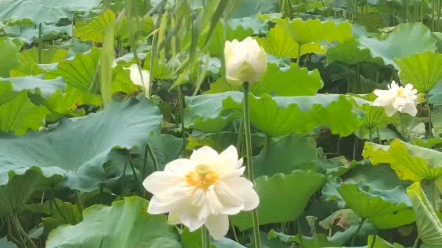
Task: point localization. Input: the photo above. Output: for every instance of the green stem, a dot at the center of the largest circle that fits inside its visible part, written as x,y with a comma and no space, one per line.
249,160
353,239
298,226
400,125
132,166
152,155
299,54
123,179
355,144
181,109
205,238
379,135
40,43
13,224
433,6
239,142
430,124
79,203
439,13
22,232
370,135
374,238
10,227
234,232
146,150
417,242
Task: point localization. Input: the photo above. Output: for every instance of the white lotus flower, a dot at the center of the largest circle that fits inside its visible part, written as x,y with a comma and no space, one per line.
202,190
140,79
397,98
246,61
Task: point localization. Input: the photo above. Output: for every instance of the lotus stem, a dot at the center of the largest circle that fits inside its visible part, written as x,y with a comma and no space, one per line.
249,159
298,226
430,124
181,108
353,239
205,238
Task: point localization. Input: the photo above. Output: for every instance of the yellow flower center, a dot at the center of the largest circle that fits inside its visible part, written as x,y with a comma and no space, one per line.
202,177
401,92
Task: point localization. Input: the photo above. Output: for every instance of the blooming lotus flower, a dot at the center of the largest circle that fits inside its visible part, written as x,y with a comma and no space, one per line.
202,190
246,61
140,79
397,98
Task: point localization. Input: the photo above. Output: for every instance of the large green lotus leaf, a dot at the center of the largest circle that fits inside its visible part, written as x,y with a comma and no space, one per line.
279,116
28,69
282,197
410,162
6,92
18,190
206,112
49,56
380,177
68,102
29,34
124,224
8,56
96,29
413,37
248,8
434,96
81,71
285,155
279,43
20,114
295,81
275,116
301,31
428,224
216,46
421,70
37,84
123,124
39,11
348,53
382,212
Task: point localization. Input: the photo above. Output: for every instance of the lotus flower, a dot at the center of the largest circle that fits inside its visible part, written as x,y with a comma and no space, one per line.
202,190
141,79
246,61
397,98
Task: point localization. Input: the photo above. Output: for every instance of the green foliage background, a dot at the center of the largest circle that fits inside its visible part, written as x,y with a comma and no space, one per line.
77,137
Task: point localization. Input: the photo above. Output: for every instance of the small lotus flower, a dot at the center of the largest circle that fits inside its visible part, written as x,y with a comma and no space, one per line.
140,79
202,190
246,61
397,98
